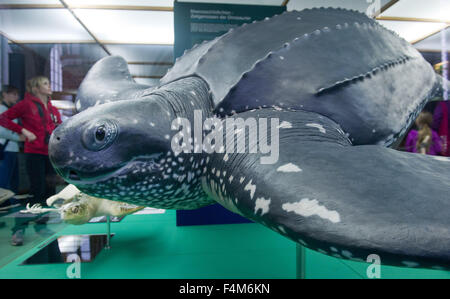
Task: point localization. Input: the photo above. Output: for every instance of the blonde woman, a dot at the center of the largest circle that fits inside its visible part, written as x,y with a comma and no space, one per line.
39,118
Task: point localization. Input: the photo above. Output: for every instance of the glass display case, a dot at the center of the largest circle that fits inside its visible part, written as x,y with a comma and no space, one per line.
62,40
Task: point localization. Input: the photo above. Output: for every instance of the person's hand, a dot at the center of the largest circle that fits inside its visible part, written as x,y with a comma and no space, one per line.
29,135
22,137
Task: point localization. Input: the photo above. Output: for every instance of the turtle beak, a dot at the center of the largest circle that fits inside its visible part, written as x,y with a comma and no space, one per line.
59,157
71,169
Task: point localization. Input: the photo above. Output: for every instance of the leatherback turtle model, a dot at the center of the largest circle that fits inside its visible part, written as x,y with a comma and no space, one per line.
338,89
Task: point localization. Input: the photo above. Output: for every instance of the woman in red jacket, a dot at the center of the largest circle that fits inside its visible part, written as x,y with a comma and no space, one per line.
39,118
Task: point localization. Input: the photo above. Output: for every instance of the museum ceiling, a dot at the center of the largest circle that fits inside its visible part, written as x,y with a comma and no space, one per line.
142,31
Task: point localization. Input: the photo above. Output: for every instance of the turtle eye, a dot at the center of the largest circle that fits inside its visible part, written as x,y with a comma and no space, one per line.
99,134
75,209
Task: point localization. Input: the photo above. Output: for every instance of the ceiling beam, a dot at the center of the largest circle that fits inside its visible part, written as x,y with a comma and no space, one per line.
431,50
52,42
403,19
10,40
386,7
100,42
112,42
431,34
86,6
123,7
85,28
30,6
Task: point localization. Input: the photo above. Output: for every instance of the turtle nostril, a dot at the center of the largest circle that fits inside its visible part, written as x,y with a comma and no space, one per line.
73,175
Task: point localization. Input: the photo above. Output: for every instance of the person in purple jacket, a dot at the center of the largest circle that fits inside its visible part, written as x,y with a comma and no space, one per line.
441,125
425,140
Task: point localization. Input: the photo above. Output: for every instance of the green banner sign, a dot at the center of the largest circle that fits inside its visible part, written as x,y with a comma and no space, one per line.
196,22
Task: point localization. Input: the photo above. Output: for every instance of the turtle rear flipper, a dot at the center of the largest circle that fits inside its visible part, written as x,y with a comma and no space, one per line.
119,209
341,200
441,92
109,80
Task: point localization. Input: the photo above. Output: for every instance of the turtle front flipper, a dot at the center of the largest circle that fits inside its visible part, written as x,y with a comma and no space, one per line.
65,196
341,200
109,80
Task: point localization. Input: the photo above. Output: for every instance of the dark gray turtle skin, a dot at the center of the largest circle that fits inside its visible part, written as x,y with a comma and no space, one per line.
340,90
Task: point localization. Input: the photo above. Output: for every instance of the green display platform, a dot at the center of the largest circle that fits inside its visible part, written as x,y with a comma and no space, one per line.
152,246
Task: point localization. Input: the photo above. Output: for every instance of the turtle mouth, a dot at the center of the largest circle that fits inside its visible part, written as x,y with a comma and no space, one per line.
78,178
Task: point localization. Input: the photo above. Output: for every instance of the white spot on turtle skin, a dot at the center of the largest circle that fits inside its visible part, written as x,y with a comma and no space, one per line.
281,57
78,105
281,230
322,251
181,178
250,187
135,121
303,243
443,159
410,264
334,249
193,93
306,207
289,168
285,125
225,158
230,179
71,154
262,204
318,126
241,180
347,254
167,137
152,124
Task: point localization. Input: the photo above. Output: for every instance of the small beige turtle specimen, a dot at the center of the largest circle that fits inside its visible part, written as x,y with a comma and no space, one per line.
78,208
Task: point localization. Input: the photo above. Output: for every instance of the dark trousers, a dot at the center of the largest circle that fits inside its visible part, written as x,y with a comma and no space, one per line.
38,169
9,172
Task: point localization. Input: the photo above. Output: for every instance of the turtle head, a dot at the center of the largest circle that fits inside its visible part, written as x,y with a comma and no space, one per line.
76,213
122,151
